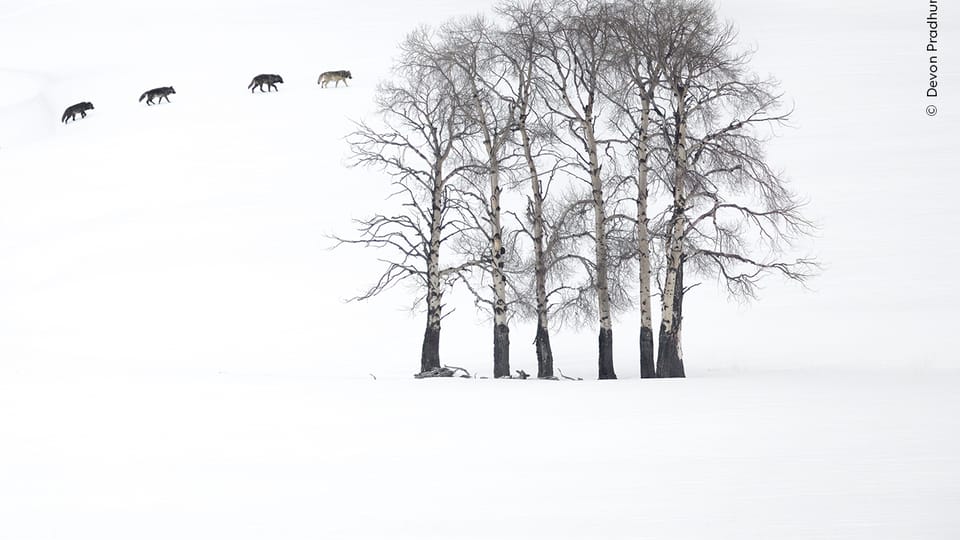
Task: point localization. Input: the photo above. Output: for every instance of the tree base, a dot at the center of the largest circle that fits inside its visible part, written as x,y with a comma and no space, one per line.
544,353
430,354
606,354
648,368
501,351
669,363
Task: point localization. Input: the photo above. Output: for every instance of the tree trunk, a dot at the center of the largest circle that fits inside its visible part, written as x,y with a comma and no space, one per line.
647,359
603,292
430,355
544,353
668,349
606,354
647,366
668,355
501,332
501,351
678,370
670,359
542,342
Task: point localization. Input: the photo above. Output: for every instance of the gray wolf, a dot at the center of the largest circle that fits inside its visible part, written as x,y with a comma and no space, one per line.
265,79
158,93
335,76
73,110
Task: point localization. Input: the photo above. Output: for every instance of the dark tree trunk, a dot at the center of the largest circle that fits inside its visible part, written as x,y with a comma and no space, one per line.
606,354
544,353
501,350
647,360
430,355
669,357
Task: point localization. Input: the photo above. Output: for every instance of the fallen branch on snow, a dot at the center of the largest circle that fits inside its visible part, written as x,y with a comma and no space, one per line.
568,378
445,371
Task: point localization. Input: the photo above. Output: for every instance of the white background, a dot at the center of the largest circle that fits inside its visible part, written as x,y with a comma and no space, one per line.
176,360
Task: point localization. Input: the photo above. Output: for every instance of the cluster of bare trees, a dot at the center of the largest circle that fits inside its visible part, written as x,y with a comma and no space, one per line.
564,160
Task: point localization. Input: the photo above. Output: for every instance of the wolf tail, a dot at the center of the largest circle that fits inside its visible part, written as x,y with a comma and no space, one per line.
143,96
64,117
253,82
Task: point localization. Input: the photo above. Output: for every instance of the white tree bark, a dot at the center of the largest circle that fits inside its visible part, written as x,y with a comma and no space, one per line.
675,245
430,356
600,223
647,367
669,361
492,143
540,268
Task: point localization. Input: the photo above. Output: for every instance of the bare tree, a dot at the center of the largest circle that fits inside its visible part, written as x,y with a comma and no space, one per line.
516,49
634,77
419,144
732,214
574,53
469,60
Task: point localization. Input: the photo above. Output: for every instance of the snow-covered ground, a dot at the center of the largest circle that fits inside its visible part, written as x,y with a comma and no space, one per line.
176,360
759,456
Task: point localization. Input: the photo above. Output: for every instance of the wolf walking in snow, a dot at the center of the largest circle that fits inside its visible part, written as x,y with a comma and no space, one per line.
335,76
158,93
73,110
265,79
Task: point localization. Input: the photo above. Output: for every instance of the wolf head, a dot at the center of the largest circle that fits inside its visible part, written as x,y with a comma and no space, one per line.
277,79
86,105
347,75
171,90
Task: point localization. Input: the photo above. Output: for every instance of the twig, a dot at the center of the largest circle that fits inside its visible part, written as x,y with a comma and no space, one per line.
455,369
445,371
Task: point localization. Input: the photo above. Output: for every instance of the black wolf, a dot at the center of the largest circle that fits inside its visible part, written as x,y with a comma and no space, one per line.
265,79
73,110
158,93
335,76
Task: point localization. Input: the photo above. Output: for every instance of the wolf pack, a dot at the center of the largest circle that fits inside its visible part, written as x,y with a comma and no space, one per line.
157,95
